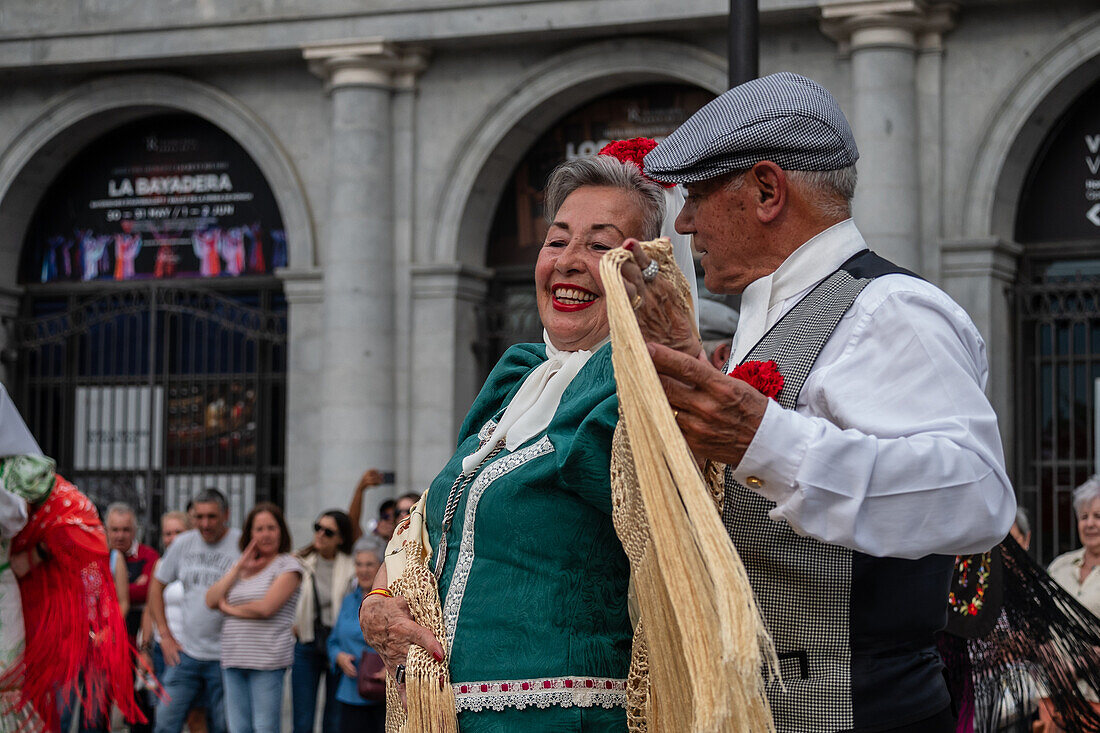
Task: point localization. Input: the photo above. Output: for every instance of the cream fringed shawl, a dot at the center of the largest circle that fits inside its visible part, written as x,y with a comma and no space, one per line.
700,645
431,701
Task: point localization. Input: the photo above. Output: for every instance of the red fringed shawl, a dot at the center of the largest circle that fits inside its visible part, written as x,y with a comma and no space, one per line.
73,625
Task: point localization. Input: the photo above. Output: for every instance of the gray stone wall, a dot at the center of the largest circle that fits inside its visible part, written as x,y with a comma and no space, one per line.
497,75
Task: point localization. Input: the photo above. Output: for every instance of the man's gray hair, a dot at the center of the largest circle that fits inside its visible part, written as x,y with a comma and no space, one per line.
830,192
1085,494
1022,522
121,507
604,170
211,495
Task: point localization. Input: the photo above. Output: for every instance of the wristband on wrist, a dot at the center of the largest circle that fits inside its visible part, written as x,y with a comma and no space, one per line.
380,592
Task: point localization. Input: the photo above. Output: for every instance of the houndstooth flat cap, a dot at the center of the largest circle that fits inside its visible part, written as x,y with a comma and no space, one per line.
785,118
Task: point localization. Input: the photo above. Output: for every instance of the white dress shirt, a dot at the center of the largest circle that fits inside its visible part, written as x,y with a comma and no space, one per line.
893,448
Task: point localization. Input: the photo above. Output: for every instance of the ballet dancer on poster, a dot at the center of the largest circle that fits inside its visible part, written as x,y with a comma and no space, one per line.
127,246
231,246
165,266
94,251
205,245
256,261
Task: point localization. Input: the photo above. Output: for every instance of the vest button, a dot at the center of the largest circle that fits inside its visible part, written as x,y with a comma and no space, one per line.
754,482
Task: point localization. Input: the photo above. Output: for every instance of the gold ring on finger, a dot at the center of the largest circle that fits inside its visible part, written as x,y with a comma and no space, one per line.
637,301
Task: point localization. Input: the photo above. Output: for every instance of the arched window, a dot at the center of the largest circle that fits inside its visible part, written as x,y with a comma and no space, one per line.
1058,322
150,351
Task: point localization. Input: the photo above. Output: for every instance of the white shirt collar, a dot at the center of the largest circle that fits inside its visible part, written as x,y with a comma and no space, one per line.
763,301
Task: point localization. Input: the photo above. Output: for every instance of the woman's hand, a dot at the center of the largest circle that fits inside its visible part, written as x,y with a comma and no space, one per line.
389,629
346,663
660,317
250,558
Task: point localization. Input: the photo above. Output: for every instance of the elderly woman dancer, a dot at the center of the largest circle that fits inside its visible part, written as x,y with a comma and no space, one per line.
531,575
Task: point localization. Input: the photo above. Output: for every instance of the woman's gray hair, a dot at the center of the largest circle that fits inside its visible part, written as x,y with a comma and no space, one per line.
1085,494
604,170
366,544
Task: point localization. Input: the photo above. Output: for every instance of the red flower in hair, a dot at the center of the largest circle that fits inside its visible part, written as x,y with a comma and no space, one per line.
764,376
633,151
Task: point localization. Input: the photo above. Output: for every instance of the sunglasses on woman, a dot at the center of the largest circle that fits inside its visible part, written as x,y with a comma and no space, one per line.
318,527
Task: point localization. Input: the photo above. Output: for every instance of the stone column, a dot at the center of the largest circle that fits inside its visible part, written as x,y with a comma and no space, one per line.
304,289
358,373
881,37
445,307
405,211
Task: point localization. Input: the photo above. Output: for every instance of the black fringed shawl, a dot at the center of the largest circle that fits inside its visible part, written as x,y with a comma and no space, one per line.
1034,640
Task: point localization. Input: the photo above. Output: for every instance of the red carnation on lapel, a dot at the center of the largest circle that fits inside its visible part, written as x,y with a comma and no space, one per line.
764,376
633,151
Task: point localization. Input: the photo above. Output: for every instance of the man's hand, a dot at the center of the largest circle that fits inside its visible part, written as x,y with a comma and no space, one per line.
346,663
659,315
388,628
170,648
718,415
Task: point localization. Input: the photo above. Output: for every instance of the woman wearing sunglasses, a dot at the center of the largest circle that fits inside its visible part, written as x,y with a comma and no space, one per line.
328,570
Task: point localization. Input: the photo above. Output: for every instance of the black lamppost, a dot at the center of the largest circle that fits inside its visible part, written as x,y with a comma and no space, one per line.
744,41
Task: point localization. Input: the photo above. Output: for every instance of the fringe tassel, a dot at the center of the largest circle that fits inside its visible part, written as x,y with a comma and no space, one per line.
431,701
429,698
707,642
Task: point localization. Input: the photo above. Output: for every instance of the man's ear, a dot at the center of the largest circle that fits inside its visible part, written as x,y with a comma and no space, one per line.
770,183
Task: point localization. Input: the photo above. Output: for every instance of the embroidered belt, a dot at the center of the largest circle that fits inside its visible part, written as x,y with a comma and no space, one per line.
582,692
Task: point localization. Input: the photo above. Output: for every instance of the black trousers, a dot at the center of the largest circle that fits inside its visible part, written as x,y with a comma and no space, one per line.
363,718
941,722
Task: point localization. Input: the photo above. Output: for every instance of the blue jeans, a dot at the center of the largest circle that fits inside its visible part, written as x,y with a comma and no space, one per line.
309,667
189,684
256,697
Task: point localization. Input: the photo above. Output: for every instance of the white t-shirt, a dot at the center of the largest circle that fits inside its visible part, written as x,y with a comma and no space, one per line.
198,565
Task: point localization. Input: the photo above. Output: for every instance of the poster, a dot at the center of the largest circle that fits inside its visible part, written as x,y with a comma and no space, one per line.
168,196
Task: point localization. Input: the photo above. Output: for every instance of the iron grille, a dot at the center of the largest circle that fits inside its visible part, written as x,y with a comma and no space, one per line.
1058,365
150,394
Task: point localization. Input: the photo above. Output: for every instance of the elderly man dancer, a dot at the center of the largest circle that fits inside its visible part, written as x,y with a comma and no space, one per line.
880,460
198,558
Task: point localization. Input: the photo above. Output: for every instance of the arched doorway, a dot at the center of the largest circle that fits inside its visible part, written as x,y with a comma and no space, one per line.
1058,323
509,314
149,356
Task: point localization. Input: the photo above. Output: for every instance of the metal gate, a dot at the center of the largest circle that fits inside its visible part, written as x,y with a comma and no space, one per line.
1058,365
150,394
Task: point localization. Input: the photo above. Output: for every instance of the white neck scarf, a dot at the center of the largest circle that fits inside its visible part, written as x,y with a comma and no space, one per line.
530,411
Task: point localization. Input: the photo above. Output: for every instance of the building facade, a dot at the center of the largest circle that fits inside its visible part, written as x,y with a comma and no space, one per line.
347,317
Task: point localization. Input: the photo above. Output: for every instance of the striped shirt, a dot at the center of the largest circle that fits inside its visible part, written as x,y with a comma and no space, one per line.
261,643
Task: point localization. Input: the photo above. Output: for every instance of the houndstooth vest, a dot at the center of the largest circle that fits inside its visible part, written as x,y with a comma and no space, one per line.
853,633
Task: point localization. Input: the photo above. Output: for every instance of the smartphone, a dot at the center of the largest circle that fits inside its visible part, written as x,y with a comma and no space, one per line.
388,477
